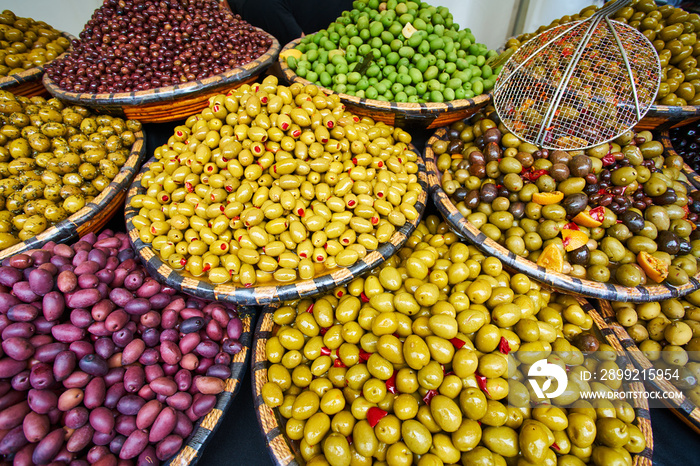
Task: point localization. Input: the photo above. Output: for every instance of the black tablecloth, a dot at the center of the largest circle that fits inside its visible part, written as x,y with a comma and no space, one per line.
239,441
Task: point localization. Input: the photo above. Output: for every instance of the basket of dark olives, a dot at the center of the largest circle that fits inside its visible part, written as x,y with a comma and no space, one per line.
672,32
292,200
28,46
135,371
64,171
684,142
660,338
170,69
615,222
409,66
414,358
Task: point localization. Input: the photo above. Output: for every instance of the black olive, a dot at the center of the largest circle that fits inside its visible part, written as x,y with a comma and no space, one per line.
472,199
455,146
476,157
492,135
685,247
575,203
517,209
580,256
580,165
489,192
559,156
559,171
492,152
669,197
633,221
668,242
460,194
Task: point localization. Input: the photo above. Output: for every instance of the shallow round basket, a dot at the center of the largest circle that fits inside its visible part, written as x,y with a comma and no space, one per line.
28,82
404,115
664,117
682,407
285,453
95,215
169,103
556,280
268,293
192,449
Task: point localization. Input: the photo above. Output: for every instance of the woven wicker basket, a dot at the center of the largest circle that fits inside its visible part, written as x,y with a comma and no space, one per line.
258,295
664,117
682,407
560,281
409,115
285,453
28,82
191,451
170,103
95,215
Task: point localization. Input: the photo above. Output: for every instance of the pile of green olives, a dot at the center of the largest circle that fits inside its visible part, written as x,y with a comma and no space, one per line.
422,362
617,212
54,160
668,333
25,43
275,183
396,51
673,33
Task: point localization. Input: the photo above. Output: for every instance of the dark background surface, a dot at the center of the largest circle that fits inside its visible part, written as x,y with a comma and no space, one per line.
239,440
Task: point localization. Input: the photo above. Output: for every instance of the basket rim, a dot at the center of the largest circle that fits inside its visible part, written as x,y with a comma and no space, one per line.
266,294
278,443
379,105
190,452
34,73
169,93
681,405
67,229
558,280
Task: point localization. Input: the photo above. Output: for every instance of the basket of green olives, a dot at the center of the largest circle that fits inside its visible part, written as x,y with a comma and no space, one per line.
615,222
273,193
406,64
673,33
423,362
64,171
663,340
26,46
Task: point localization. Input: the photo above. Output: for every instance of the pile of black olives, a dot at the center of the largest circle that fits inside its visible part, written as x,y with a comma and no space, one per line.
686,142
619,212
54,159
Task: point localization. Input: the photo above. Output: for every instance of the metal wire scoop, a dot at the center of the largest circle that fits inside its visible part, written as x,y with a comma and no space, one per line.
579,84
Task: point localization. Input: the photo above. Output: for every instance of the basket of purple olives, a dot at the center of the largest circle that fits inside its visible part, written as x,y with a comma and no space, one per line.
159,61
